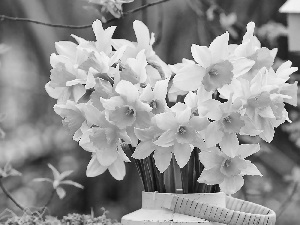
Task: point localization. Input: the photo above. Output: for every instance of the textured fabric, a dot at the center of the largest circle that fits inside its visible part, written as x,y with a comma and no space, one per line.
237,212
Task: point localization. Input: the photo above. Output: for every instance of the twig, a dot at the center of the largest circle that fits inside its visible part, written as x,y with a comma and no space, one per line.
144,13
159,27
10,197
288,201
27,20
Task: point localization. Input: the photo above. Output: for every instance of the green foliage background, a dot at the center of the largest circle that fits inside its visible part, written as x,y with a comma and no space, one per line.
36,137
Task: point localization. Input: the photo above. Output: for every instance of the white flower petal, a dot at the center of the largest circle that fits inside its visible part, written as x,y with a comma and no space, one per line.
143,150
182,153
230,145
211,176
166,139
251,169
128,90
219,48
160,89
246,150
162,157
94,168
142,33
106,157
117,169
231,185
201,55
211,158
166,121
189,78
213,135
60,192
66,48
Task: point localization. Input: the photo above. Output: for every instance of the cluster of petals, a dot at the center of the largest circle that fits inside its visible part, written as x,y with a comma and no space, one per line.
114,92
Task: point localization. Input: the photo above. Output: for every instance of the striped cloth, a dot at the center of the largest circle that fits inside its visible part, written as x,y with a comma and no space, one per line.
237,212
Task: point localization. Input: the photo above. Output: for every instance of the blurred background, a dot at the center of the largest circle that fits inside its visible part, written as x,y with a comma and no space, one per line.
36,137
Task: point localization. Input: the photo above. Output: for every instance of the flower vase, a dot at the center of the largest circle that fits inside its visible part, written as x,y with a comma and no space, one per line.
198,208
154,209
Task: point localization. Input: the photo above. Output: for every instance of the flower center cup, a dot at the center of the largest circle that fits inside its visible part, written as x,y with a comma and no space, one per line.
231,166
227,119
213,72
153,104
227,163
261,100
217,75
232,123
129,111
182,130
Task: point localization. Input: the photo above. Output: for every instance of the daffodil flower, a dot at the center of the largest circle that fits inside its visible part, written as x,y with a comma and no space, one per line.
58,88
227,167
135,69
181,131
127,109
72,114
162,155
156,98
202,104
213,69
263,100
107,153
116,169
144,42
252,50
227,124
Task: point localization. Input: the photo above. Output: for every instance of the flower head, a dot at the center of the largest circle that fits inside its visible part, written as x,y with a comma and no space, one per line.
181,131
227,167
213,68
127,109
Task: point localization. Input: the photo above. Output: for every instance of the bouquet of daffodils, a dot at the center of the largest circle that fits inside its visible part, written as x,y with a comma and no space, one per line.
118,98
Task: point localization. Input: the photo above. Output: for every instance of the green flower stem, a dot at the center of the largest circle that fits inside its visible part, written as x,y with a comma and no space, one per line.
10,197
49,200
172,176
190,176
139,166
18,19
149,175
158,176
184,179
145,174
169,177
199,187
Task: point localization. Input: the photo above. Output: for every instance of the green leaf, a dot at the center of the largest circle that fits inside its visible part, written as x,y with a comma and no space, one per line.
55,172
70,182
61,192
42,180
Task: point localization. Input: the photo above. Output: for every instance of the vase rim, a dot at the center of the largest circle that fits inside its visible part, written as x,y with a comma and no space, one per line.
156,192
